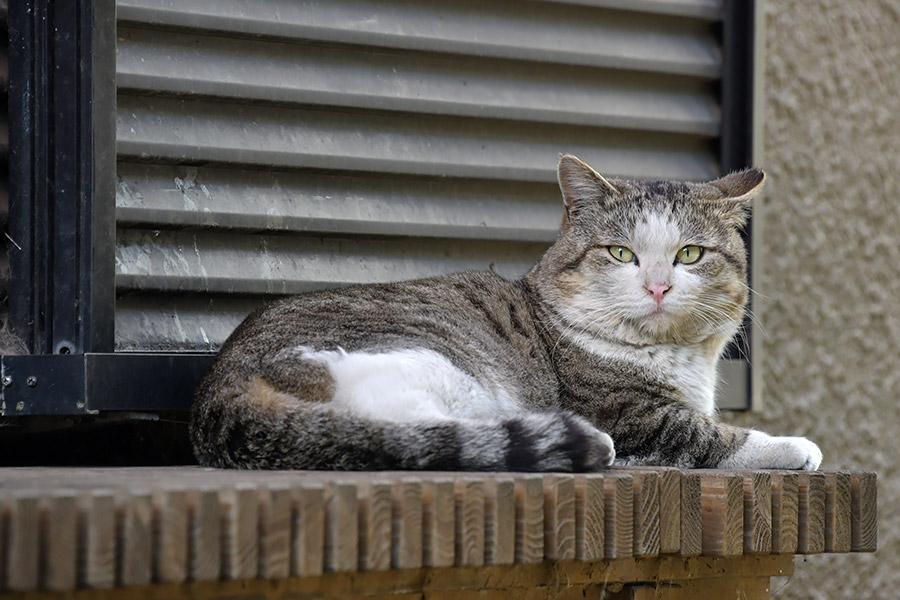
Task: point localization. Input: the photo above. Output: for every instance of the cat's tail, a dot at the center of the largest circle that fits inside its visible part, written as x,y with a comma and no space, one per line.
289,434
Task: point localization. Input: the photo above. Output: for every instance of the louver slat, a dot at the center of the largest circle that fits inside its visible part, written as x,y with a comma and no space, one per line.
276,146
533,31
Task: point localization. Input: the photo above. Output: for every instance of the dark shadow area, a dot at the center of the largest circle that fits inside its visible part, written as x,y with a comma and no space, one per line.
116,441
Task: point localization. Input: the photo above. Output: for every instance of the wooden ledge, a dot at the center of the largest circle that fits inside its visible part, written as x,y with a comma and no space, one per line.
62,529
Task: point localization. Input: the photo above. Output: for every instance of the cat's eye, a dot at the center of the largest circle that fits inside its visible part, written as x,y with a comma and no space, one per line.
689,254
621,253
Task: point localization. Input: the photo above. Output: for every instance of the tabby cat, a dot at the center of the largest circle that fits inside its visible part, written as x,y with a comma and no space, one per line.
616,331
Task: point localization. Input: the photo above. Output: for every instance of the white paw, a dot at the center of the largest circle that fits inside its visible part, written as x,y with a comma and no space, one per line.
605,449
763,451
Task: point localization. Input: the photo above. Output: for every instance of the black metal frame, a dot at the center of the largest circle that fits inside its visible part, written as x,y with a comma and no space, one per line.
62,174
736,139
62,212
89,384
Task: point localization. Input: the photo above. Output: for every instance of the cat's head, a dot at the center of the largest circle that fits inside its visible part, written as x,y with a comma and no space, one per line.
649,262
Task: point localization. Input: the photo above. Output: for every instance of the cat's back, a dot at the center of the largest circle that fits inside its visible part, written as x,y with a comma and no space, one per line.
481,322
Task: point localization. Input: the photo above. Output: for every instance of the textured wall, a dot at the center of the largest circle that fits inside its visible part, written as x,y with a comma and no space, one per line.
831,269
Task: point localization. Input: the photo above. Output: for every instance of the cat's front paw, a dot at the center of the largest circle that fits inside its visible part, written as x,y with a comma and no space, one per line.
763,451
588,448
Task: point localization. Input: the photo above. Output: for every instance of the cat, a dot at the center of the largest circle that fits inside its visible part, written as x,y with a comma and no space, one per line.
605,351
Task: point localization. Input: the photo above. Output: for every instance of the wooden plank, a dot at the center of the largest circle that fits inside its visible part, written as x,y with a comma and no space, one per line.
469,522
308,531
500,522
589,521
136,518
4,539
784,512
864,512
240,538
669,511
722,500
375,515
810,513
646,513
24,534
559,517
406,549
757,512
205,535
341,527
726,586
170,554
618,508
59,541
529,519
691,515
97,566
439,523
837,512
275,532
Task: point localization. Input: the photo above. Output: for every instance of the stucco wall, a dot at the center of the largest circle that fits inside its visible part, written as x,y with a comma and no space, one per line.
831,260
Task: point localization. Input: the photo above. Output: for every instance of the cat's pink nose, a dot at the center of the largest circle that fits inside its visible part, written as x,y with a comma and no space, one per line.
658,290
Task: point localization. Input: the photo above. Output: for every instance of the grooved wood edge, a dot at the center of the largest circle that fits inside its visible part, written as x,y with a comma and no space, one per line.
196,526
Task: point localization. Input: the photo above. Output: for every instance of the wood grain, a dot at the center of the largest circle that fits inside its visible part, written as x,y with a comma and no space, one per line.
691,515
275,532
757,512
469,522
500,521
646,513
308,531
618,508
24,534
837,512
136,514
205,535
439,523
559,517
341,527
722,501
864,512
240,548
407,551
170,523
810,513
669,511
784,512
60,541
529,519
589,517
97,567
375,520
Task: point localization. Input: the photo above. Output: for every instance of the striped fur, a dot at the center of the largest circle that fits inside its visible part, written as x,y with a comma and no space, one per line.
473,372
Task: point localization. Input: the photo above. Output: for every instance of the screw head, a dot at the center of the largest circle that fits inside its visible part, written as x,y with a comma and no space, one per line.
6,381
31,381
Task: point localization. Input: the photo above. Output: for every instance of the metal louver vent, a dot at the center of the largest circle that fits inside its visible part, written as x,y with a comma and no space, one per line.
276,146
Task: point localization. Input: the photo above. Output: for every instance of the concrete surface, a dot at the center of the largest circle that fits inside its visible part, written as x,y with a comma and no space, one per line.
831,274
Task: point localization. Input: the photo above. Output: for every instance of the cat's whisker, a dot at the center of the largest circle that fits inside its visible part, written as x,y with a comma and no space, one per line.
753,292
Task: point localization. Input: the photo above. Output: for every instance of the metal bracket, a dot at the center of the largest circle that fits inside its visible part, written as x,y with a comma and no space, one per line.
82,384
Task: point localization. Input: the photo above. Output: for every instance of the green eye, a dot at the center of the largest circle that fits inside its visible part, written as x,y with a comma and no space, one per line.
689,254
621,253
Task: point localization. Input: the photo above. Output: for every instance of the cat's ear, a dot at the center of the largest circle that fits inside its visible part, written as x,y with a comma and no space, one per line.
740,185
580,183
735,192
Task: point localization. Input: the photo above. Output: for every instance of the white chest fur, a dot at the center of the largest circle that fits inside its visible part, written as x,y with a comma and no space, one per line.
690,369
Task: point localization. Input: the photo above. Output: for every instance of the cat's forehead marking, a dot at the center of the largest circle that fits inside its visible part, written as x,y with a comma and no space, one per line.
657,233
